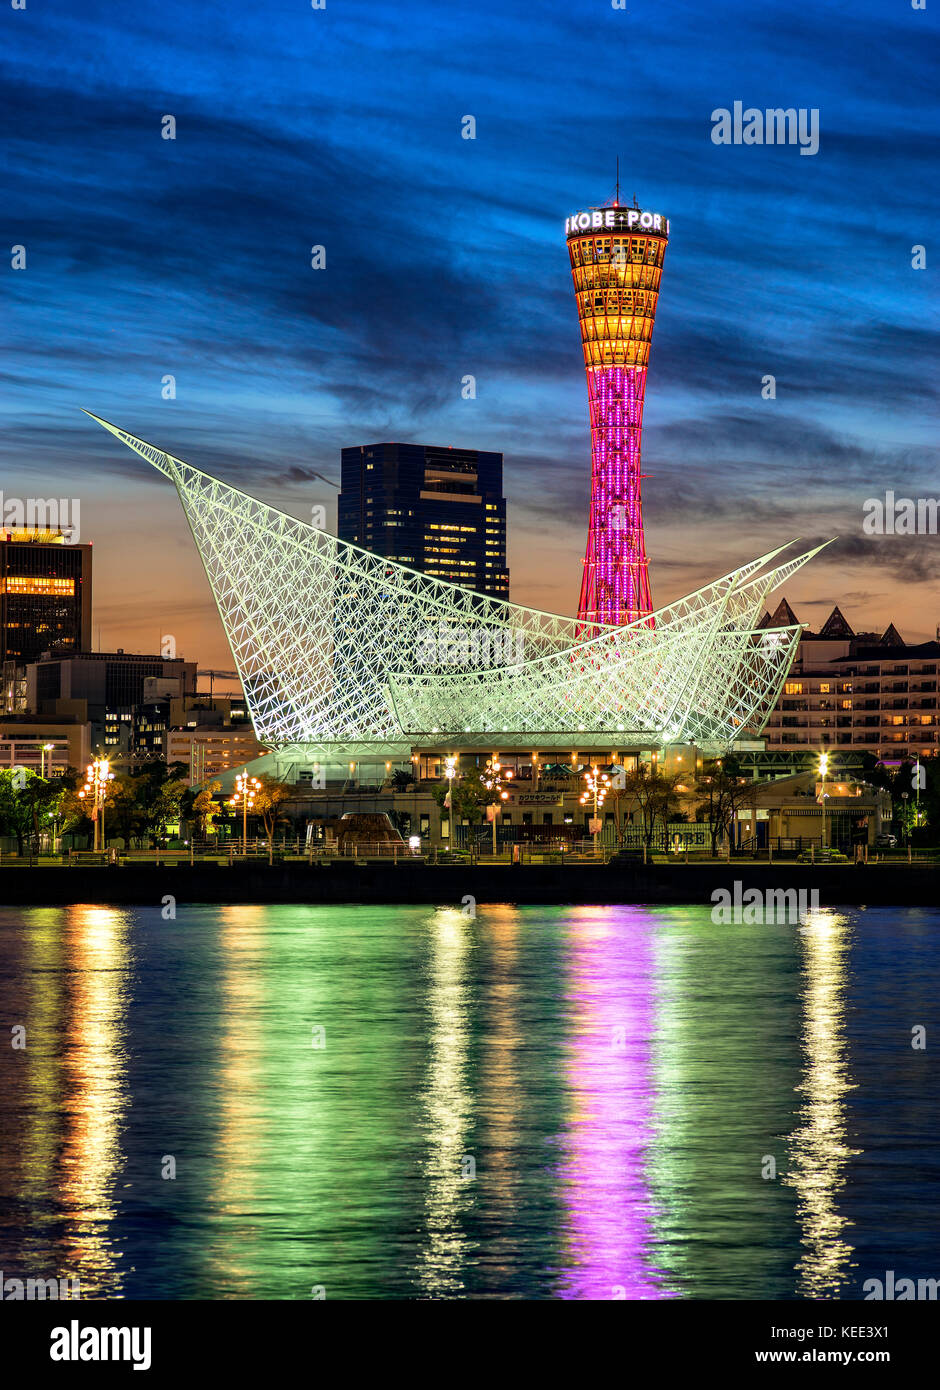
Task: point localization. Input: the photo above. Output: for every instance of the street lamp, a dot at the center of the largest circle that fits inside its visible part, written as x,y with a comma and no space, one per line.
598,785
46,748
917,777
97,776
245,789
493,781
823,769
450,772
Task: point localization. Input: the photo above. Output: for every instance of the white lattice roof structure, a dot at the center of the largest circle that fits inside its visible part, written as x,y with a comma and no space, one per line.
343,653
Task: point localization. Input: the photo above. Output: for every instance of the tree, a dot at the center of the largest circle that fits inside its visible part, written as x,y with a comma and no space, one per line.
930,799
122,811
73,813
270,798
468,796
201,808
156,793
922,794
27,802
653,793
165,805
15,814
722,791
39,798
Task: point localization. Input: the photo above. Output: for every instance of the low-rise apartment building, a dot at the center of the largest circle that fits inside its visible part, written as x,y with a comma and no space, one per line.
857,692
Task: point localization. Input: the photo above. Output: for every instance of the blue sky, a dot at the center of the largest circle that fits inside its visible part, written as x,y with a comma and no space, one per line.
446,257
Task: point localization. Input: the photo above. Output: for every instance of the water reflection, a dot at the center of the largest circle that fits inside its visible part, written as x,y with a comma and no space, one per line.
723,1096
95,1096
819,1149
236,1161
33,1153
448,1104
502,1101
619,1076
608,1071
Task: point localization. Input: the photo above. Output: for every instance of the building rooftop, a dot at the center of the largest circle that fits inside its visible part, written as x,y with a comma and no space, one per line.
879,651
837,628
119,655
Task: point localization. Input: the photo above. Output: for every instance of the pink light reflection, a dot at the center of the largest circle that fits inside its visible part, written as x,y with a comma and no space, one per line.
603,1180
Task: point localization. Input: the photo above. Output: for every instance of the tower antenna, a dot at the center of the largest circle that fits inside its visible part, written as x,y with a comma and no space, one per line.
617,196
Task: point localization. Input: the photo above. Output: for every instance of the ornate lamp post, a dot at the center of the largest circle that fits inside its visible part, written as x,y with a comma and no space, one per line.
97,776
450,772
598,785
493,778
245,789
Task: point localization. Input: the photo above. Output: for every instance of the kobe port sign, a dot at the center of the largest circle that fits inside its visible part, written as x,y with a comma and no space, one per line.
619,219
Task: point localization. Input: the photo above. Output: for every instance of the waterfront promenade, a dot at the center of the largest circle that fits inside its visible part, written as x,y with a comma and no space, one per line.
254,880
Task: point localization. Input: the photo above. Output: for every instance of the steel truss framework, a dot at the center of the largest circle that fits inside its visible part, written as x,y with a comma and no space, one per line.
343,653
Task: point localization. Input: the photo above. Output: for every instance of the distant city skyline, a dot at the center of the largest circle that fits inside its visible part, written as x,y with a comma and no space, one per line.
190,258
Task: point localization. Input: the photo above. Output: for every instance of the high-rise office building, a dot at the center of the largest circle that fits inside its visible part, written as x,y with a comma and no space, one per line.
616,263
45,595
45,603
439,510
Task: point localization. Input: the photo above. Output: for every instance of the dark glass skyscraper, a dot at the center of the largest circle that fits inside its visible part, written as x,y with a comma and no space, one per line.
45,595
45,603
439,510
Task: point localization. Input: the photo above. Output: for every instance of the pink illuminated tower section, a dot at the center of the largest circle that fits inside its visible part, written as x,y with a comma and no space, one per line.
617,257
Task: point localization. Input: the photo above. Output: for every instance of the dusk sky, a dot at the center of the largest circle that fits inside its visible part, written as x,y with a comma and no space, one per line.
341,127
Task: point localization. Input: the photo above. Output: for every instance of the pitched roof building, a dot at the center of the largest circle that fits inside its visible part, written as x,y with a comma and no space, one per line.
858,692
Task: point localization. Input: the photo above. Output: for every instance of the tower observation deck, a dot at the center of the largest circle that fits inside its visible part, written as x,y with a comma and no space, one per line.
617,255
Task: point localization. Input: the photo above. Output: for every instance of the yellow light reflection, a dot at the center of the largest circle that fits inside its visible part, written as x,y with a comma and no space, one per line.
36,1158
96,1094
447,1104
242,1124
819,1150
502,1103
